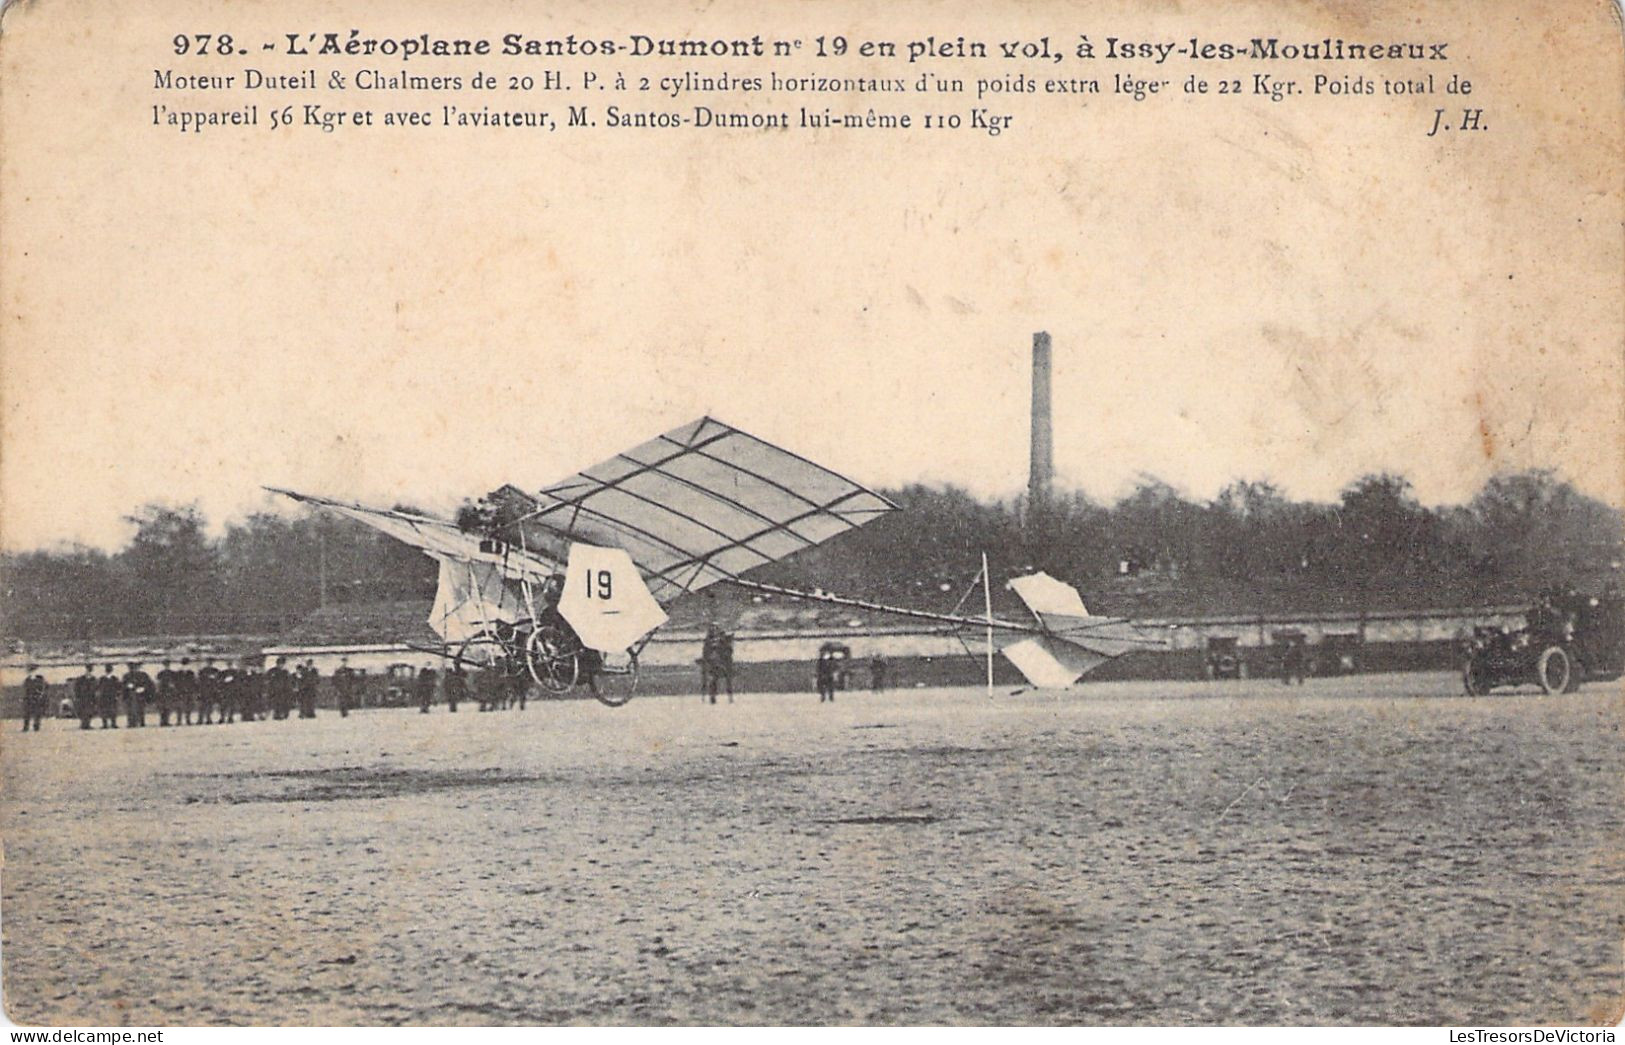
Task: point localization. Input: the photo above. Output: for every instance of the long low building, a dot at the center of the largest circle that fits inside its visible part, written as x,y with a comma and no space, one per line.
774,649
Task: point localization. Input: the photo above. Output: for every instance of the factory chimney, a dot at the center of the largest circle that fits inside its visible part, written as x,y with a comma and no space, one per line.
1042,470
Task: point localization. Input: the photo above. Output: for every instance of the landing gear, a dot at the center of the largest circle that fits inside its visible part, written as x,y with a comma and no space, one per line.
554,658
615,679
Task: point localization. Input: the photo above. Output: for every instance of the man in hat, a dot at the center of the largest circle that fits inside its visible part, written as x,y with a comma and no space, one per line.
208,692
108,690
252,684
34,690
166,695
84,696
308,683
231,685
279,688
825,675
346,685
456,686
185,692
424,686
518,687
138,689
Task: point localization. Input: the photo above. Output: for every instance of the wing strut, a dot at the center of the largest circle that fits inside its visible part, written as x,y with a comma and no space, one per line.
987,593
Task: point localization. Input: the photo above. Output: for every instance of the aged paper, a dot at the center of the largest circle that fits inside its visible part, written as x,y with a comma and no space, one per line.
408,254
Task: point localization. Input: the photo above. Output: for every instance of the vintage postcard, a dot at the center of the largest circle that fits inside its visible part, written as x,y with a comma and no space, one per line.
1003,513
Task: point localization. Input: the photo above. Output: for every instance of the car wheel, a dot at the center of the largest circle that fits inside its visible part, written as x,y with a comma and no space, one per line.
1554,670
1475,679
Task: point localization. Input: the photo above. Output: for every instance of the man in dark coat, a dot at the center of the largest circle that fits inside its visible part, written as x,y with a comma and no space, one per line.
185,692
231,692
307,684
166,695
825,677
279,689
208,692
518,686
424,686
345,686
456,687
138,689
84,696
34,700
108,691
252,685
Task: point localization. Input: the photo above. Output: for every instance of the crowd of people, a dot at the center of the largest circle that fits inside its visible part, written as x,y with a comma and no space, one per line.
221,691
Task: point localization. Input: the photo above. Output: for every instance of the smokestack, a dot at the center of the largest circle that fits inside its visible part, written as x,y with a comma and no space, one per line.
1042,471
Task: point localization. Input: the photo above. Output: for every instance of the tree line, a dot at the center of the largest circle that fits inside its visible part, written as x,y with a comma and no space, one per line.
1250,549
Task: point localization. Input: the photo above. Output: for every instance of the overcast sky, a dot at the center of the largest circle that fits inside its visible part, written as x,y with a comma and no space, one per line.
1304,293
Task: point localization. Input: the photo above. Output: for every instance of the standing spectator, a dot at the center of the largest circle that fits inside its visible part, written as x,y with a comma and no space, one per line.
231,692
717,662
877,673
251,684
34,690
456,686
424,686
208,691
825,675
84,696
345,684
108,691
1292,662
279,689
166,695
308,685
138,689
185,691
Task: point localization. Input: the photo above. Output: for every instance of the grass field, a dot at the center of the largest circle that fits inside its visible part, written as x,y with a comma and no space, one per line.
1376,849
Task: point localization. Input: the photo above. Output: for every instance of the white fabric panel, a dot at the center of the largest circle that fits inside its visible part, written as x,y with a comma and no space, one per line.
605,599
1044,594
472,597
1051,664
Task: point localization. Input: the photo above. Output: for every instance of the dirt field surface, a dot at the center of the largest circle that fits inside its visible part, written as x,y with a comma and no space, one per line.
1377,849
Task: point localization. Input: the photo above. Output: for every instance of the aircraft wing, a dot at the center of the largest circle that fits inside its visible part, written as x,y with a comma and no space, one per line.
702,503
437,538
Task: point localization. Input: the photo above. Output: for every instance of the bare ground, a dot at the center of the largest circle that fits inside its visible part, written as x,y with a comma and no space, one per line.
1368,850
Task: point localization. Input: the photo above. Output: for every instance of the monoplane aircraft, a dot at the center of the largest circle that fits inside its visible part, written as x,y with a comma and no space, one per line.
568,584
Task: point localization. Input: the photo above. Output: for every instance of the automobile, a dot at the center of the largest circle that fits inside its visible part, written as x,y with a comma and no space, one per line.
1224,659
397,686
1292,659
1567,640
1339,654
842,655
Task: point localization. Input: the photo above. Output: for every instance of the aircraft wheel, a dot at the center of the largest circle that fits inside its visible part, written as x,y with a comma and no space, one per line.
1474,678
484,652
552,659
1554,670
613,683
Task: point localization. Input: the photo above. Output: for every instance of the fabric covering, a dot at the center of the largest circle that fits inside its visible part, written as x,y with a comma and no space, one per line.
471,598
1049,663
605,600
704,502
